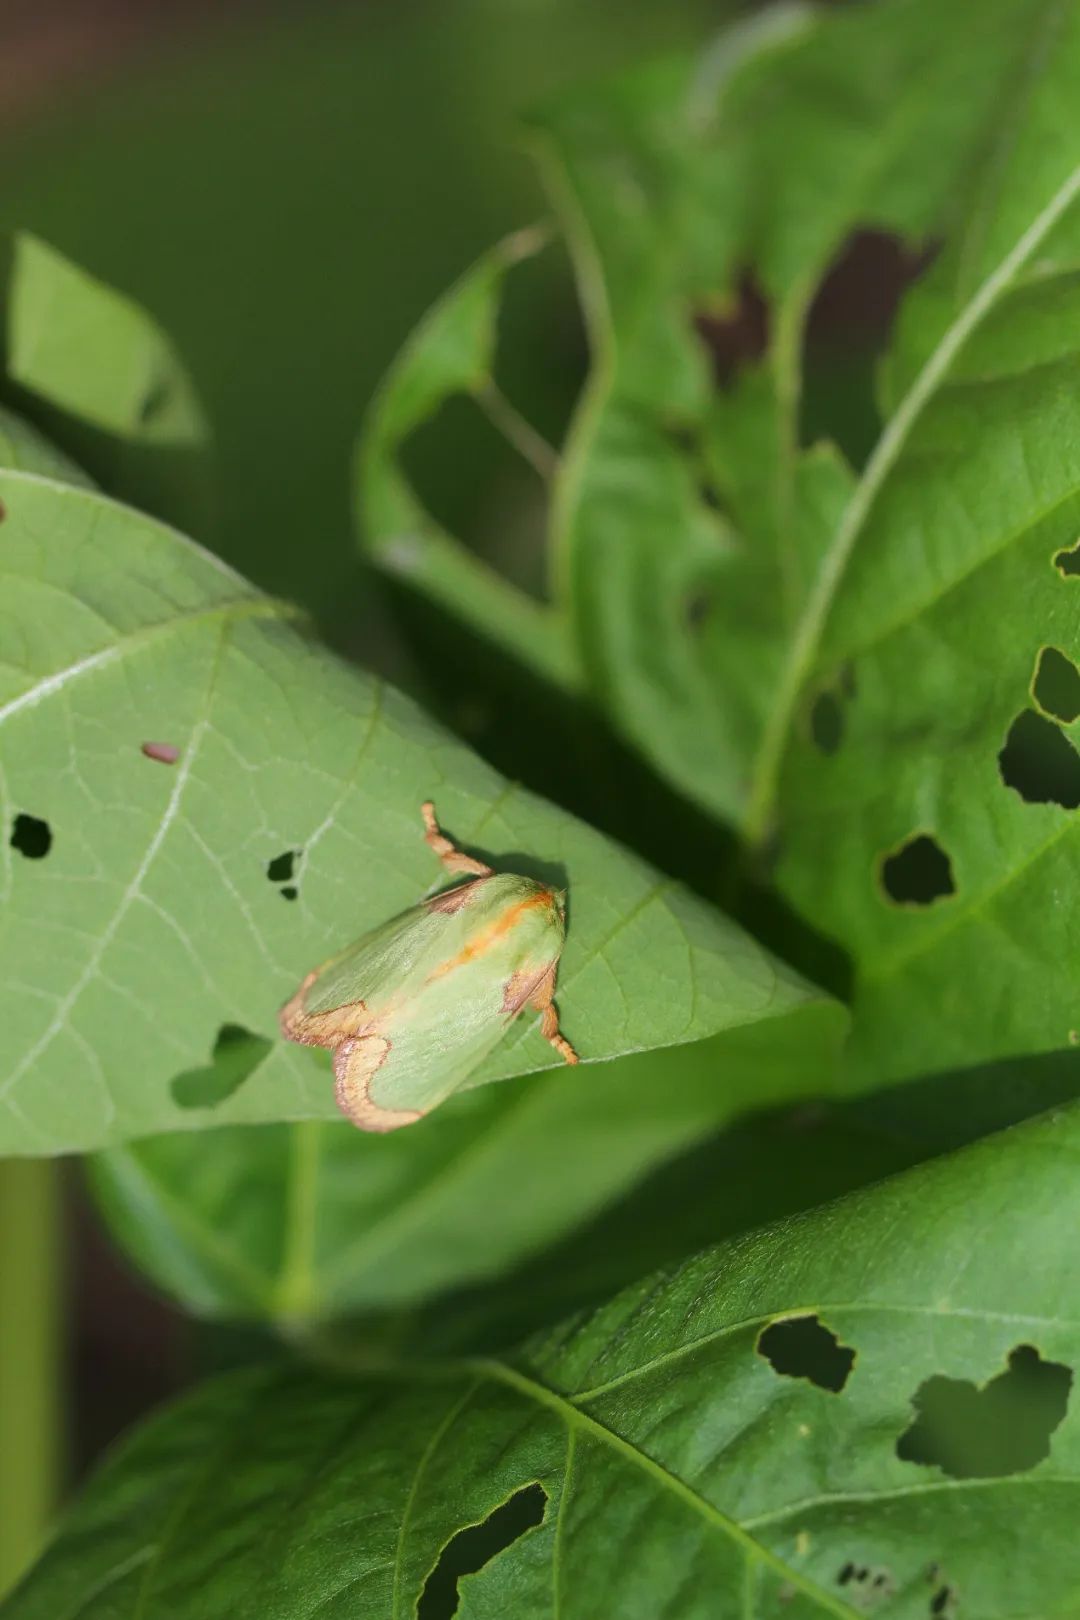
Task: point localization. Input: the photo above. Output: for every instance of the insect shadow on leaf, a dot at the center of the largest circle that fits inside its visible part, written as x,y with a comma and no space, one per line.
918,873
522,862
1002,1428
803,1347
476,1545
237,1054
31,836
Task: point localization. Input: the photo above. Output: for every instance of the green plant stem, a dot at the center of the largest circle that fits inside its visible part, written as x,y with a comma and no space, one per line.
30,1359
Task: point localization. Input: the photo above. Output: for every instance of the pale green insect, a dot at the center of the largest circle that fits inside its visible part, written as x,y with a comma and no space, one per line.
410,1009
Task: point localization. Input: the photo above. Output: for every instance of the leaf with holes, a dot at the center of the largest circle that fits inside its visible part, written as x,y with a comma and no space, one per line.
883,661
938,832
867,1408
142,911
704,204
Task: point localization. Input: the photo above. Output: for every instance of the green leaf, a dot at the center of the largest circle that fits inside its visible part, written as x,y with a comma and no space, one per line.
862,652
936,599
688,523
302,1222
105,383
452,352
868,1407
145,903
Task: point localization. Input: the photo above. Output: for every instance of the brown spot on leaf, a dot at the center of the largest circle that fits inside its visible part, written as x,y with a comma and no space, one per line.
164,753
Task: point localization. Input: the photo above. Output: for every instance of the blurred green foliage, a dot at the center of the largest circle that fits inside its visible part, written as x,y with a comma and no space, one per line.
285,194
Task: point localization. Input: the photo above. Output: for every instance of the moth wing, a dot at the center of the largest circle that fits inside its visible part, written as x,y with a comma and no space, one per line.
452,1028
424,1067
356,1062
380,962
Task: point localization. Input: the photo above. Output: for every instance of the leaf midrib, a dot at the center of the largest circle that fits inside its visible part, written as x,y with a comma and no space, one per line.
828,1307
924,1487
239,607
574,1419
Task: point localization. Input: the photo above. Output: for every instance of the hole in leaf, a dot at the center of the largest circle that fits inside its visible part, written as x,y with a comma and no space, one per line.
942,1600
1067,562
871,1584
918,873
32,837
280,869
237,1054
1040,763
1056,686
803,1347
848,327
498,508
476,1546
1002,1428
736,333
827,722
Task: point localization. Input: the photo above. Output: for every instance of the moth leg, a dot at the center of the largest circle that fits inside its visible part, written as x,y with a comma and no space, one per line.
542,1001
355,1062
455,860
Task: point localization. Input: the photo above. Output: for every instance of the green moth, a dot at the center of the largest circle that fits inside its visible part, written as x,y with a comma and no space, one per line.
410,1009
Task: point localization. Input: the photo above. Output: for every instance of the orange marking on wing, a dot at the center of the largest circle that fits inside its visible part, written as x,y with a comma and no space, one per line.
356,1062
494,931
322,1028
